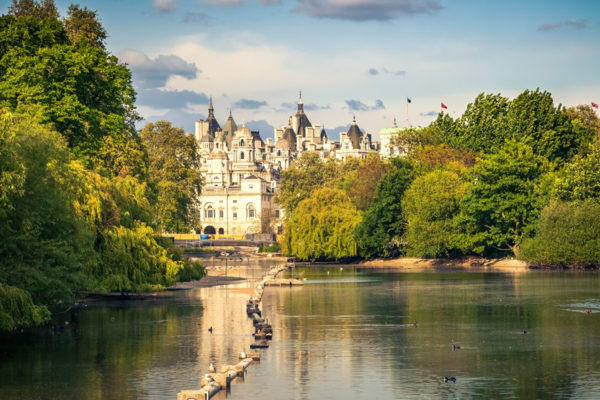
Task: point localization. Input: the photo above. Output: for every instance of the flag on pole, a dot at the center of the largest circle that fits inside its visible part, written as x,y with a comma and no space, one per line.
444,106
408,100
593,104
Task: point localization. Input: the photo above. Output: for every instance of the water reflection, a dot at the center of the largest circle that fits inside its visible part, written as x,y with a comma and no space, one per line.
346,333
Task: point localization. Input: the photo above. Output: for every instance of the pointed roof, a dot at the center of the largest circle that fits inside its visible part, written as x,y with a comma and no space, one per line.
303,121
354,134
229,129
213,125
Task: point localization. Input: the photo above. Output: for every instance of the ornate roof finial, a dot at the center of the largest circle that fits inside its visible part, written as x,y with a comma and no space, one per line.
300,97
354,119
210,105
230,113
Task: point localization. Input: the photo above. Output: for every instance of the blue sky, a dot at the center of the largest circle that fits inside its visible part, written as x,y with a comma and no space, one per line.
360,57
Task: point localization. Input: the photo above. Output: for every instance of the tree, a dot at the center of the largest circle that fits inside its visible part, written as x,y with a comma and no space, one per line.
174,175
580,178
586,124
432,157
82,24
383,223
482,125
80,88
503,200
322,227
361,181
307,173
431,205
533,118
567,234
412,139
31,8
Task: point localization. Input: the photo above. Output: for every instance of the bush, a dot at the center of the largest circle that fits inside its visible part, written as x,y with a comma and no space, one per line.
272,248
568,234
17,309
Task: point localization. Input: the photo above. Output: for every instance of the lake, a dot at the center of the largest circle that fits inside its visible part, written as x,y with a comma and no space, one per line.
348,333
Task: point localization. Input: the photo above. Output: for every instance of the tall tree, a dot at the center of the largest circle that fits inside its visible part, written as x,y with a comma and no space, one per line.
431,205
503,200
380,231
82,24
31,8
174,174
307,173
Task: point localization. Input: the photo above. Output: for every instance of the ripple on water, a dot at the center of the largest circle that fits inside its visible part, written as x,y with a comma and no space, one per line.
581,307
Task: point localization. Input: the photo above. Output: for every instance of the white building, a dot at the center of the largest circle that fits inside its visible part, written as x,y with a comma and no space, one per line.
388,149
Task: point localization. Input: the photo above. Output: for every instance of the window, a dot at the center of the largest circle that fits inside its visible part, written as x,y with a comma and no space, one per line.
276,213
242,143
210,212
242,155
235,201
235,215
251,210
221,214
250,186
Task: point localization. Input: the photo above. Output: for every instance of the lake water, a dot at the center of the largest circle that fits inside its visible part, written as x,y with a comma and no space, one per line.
346,334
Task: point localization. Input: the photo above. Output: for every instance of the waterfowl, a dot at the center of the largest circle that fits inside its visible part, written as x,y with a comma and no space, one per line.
211,368
455,347
243,354
210,329
450,379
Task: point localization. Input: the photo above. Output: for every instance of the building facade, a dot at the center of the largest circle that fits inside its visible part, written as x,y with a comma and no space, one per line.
241,171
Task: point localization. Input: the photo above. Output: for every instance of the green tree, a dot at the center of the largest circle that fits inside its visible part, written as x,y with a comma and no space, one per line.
503,200
360,181
567,235
31,8
82,24
482,126
307,173
383,223
414,138
580,178
533,118
431,205
80,88
174,174
322,227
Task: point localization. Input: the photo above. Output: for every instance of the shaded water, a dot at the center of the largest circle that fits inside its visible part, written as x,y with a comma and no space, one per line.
345,334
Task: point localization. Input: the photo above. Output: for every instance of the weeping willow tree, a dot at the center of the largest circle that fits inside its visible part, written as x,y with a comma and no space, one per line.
322,227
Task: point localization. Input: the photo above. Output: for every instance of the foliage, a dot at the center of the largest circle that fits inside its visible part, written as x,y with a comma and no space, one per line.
272,248
31,8
383,222
82,24
77,86
360,181
533,118
585,122
580,178
503,200
307,173
17,309
431,205
435,156
568,234
413,138
174,173
322,227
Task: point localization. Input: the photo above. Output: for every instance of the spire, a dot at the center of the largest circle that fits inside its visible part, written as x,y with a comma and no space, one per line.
211,109
300,97
300,104
354,119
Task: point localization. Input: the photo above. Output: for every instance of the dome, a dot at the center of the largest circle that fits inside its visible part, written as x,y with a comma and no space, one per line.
355,135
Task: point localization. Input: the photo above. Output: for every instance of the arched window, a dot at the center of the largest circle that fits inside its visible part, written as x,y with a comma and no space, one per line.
251,211
279,153
221,231
242,155
241,142
209,212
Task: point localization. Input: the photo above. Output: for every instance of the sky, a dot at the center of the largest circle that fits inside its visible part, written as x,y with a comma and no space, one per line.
349,57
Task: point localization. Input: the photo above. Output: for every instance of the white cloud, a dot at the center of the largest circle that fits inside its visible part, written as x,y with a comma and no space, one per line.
165,5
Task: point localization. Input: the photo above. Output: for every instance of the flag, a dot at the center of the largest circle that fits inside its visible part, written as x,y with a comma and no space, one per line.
593,104
444,106
408,100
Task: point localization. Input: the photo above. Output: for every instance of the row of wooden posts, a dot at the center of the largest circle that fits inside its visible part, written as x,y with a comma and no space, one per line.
214,381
